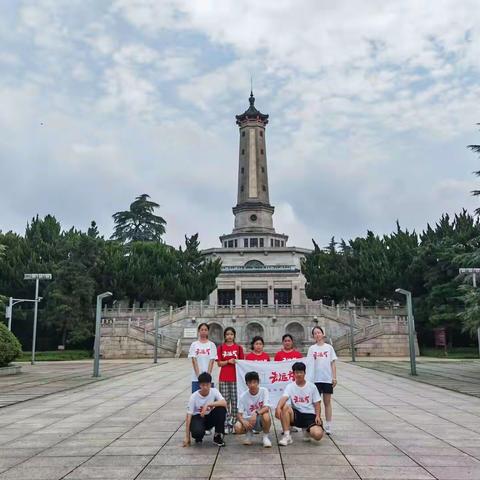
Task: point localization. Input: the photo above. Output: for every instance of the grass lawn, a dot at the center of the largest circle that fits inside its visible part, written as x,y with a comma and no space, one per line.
456,352
56,355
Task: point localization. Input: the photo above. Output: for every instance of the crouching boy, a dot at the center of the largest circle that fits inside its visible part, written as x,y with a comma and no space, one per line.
304,411
254,411
206,409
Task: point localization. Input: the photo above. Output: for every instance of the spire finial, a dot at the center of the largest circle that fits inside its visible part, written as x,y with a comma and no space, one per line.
252,98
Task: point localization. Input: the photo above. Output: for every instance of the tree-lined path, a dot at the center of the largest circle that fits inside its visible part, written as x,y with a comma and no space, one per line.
131,426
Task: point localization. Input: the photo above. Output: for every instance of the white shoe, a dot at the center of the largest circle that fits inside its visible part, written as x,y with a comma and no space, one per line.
248,438
294,429
286,440
328,428
266,442
208,432
306,436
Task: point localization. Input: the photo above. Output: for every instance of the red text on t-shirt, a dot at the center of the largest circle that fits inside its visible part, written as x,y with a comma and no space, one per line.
298,399
256,406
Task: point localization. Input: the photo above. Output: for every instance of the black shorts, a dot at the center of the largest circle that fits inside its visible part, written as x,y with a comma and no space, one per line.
324,388
303,420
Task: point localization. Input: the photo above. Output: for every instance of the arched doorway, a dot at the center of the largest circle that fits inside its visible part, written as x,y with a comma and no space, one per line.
215,334
252,330
296,331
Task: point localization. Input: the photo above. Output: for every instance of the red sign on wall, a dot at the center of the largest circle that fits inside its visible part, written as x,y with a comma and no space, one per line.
440,337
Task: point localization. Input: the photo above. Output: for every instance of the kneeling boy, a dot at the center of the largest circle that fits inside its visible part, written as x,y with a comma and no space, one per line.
254,411
206,409
304,411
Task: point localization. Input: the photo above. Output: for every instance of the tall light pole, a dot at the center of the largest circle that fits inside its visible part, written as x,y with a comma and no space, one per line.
96,347
37,277
411,329
474,272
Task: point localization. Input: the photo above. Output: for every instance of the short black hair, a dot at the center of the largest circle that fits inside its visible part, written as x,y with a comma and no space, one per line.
256,338
287,335
249,376
299,367
320,328
204,377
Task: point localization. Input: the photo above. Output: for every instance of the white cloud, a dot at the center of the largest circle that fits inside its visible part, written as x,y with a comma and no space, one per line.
139,96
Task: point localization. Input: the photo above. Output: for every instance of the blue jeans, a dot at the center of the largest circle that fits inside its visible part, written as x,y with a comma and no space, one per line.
196,386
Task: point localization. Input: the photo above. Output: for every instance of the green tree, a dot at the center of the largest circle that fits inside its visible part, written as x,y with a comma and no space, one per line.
139,223
70,294
476,149
470,316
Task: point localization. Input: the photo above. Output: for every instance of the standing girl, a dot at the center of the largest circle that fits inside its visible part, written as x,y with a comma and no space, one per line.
203,353
324,372
257,352
227,354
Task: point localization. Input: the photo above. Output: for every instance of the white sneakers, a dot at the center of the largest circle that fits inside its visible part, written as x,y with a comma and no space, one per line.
248,438
285,440
328,428
306,435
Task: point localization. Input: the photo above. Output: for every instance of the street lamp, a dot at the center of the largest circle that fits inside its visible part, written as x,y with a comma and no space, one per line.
96,347
37,277
411,329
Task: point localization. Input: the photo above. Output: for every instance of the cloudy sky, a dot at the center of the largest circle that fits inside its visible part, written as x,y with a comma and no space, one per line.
371,107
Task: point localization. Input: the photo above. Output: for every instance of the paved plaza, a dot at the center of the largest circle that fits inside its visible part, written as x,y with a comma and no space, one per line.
458,375
131,426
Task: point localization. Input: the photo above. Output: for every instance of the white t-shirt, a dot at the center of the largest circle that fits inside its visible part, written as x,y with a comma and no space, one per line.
197,401
321,358
302,398
203,352
248,403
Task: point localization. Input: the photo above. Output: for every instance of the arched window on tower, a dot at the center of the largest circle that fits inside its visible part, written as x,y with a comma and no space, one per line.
261,133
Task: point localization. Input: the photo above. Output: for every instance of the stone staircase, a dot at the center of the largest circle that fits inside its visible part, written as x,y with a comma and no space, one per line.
130,333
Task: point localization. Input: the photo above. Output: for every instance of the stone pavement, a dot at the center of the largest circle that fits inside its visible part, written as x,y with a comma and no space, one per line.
45,378
131,427
459,375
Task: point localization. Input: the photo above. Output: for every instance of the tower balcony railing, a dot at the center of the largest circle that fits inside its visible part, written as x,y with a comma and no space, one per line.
261,269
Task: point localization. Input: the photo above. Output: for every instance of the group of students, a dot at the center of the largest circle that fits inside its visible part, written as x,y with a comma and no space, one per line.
298,407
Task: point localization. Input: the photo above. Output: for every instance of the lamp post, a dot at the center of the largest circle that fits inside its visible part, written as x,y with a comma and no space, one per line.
353,320
411,329
96,347
155,351
474,272
37,277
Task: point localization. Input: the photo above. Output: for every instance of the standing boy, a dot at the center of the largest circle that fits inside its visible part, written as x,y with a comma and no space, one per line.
254,411
304,411
206,409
